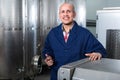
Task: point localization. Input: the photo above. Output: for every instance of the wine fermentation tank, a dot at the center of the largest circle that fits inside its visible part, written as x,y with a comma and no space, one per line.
19,44
24,25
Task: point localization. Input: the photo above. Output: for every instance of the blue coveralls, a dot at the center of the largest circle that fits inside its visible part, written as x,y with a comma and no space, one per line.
80,41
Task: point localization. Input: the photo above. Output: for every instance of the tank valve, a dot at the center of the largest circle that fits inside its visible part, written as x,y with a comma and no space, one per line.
37,64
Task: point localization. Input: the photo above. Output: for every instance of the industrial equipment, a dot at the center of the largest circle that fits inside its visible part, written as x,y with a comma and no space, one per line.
104,69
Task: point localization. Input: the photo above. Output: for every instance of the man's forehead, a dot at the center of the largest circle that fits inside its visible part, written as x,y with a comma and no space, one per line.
66,7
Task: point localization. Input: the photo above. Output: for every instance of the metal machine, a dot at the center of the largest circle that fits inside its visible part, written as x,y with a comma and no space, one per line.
24,25
104,69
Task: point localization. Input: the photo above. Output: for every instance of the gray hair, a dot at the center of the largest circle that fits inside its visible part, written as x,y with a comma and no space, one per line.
70,4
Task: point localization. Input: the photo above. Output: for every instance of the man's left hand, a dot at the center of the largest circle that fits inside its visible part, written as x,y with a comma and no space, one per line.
94,56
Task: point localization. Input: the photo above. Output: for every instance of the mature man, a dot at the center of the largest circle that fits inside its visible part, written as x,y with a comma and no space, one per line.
69,42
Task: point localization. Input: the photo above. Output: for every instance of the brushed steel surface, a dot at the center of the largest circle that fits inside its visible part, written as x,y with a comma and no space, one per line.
104,69
113,43
11,39
19,37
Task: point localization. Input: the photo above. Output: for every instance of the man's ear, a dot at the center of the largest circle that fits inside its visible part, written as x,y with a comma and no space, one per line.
59,15
74,14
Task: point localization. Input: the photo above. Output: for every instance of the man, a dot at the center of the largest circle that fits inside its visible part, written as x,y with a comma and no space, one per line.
69,42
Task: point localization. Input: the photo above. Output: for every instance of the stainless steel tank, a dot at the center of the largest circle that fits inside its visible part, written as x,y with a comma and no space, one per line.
19,38
24,25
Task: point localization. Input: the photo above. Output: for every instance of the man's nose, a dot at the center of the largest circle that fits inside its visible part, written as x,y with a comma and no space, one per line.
66,13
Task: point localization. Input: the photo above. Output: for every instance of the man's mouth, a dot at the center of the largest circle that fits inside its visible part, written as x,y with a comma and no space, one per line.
65,18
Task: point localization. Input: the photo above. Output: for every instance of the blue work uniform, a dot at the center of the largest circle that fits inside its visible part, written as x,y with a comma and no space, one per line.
80,42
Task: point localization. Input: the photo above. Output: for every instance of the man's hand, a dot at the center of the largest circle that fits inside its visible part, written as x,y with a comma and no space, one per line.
94,56
48,60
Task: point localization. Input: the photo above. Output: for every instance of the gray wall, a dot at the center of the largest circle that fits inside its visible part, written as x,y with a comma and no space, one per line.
112,3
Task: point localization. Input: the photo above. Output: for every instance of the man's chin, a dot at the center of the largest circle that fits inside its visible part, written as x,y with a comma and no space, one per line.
67,23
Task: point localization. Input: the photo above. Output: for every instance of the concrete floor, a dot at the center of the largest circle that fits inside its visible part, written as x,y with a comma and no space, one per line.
45,75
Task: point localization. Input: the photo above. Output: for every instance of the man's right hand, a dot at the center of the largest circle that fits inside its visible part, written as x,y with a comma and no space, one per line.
48,60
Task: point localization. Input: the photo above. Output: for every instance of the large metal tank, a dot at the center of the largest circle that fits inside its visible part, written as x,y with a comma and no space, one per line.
24,25
19,38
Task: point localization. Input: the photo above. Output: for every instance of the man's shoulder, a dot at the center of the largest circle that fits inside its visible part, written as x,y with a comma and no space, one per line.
83,29
54,29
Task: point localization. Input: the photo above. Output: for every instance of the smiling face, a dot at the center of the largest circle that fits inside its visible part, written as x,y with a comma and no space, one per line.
67,13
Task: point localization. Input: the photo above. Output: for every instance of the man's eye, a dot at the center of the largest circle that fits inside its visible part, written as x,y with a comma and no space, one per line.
62,11
68,11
